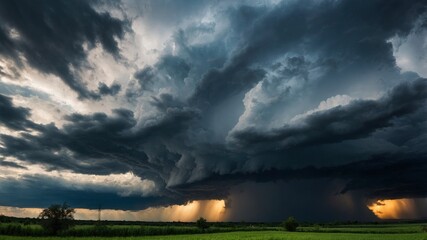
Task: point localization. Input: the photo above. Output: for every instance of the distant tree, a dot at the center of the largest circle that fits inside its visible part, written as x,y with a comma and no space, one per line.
57,218
202,224
290,224
316,227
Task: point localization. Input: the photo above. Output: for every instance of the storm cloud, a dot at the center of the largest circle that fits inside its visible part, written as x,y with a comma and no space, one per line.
13,117
252,103
50,36
355,120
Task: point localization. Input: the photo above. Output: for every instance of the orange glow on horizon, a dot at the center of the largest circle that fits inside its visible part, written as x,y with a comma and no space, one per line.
393,209
212,210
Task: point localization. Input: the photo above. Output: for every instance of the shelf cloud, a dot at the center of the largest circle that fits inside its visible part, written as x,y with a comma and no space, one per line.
141,104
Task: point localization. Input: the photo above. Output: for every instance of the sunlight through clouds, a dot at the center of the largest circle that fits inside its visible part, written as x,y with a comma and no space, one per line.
212,210
394,209
162,110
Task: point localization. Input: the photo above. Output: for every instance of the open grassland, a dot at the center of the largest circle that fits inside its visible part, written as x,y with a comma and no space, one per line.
226,231
259,235
366,228
33,230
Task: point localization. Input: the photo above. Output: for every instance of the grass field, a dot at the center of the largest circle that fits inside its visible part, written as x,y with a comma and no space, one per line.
367,228
260,235
17,229
225,231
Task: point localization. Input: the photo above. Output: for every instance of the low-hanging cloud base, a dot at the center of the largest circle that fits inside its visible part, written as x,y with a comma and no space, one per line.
313,109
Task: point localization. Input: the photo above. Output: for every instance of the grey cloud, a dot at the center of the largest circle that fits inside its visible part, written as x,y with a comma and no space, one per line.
388,177
311,200
220,84
88,137
169,71
144,76
113,90
300,55
293,28
99,143
14,117
10,164
174,67
31,195
358,119
51,35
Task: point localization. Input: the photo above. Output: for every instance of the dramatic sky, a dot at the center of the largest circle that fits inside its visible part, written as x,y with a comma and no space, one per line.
233,110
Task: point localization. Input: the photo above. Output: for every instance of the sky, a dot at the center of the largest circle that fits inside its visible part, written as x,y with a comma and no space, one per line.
254,110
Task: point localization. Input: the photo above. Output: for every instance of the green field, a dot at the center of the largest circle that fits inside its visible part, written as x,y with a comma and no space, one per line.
261,235
367,228
226,231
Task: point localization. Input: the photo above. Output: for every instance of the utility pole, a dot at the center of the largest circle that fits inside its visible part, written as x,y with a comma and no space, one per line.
99,213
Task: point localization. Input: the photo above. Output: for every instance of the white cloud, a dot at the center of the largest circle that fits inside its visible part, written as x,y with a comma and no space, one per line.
410,52
335,101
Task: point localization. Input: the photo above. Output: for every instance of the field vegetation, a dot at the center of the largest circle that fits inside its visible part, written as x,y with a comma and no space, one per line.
32,228
259,235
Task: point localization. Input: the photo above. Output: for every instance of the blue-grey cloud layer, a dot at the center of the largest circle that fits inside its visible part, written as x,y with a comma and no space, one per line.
52,34
289,56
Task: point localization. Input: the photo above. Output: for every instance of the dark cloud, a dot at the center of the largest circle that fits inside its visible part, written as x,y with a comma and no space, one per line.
385,176
14,117
169,71
388,177
218,85
51,35
174,67
112,90
358,119
89,137
321,28
144,77
32,195
311,200
100,143
10,164
212,119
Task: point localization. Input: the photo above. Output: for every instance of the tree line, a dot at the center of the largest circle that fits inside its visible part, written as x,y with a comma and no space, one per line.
58,219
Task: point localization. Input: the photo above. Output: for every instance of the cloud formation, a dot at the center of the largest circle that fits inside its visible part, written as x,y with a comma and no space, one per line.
245,102
53,37
357,119
13,117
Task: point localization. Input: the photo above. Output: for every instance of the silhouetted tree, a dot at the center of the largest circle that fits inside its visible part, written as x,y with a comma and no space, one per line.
290,224
202,224
57,218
